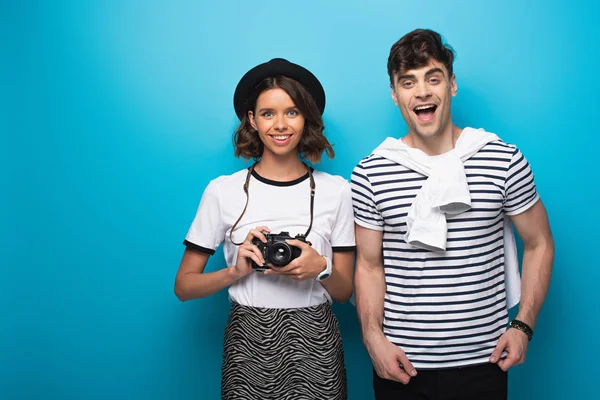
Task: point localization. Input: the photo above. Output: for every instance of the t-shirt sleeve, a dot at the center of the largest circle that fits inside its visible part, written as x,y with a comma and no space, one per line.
366,213
520,189
206,232
342,236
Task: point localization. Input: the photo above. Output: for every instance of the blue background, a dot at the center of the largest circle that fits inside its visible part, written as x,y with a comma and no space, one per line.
115,115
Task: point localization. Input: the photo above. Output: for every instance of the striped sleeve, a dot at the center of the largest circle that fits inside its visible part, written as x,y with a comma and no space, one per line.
520,189
366,213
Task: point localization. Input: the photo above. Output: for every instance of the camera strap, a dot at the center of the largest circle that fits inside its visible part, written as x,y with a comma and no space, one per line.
247,184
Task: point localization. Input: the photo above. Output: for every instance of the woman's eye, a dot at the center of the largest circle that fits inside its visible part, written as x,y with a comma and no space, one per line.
293,113
267,114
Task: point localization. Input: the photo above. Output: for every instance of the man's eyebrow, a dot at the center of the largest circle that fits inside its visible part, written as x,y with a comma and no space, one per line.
407,76
427,74
434,71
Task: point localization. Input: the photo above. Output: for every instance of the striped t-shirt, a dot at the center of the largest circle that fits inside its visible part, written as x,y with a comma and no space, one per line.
445,309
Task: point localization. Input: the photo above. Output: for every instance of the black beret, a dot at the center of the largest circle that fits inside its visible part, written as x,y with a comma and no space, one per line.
276,67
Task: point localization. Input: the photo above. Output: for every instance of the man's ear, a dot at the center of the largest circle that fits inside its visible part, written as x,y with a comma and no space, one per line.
453,85
394,97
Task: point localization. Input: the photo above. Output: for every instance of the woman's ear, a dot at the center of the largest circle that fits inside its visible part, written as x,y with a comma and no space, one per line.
252,121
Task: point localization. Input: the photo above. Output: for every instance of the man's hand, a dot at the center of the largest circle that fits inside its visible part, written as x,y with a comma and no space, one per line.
389,360
515,343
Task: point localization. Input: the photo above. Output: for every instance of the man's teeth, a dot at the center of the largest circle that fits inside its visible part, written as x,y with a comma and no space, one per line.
419,108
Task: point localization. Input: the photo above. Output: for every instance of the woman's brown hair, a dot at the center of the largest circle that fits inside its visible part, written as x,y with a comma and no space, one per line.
246,141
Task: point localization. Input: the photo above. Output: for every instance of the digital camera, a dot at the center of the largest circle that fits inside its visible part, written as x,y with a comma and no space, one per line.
276,251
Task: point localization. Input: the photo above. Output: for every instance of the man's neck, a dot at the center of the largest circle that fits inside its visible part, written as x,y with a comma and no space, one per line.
436,145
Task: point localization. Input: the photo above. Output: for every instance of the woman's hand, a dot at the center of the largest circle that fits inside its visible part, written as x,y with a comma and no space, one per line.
307,266
248,252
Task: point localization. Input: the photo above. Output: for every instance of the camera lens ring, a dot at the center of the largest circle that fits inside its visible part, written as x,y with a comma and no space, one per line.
279,254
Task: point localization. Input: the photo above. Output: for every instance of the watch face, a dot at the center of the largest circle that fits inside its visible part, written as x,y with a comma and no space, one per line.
323,277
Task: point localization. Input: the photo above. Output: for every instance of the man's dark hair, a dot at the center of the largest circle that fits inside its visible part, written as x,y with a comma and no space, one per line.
416,49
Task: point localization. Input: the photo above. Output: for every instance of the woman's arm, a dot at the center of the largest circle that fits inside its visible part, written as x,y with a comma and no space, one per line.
192,283
310,264
339,284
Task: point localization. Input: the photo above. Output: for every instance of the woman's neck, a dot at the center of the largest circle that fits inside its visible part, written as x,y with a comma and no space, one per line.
279,169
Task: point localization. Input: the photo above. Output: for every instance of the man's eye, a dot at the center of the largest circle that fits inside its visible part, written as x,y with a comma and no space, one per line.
407,84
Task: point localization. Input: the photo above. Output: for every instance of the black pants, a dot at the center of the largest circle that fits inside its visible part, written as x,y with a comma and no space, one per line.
479,382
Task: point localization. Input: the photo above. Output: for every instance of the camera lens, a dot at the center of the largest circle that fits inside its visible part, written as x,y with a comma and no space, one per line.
280,254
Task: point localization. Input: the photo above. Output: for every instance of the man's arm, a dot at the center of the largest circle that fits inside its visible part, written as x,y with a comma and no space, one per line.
369,283
534,229
538,255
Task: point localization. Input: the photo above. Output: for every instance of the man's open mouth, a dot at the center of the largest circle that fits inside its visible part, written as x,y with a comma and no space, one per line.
425,112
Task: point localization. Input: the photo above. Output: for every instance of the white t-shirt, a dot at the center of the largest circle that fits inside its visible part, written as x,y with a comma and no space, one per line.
280,206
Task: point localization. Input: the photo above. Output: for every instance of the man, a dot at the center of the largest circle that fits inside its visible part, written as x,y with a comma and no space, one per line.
436,266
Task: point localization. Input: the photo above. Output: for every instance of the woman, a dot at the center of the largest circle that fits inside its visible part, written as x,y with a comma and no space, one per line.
282,340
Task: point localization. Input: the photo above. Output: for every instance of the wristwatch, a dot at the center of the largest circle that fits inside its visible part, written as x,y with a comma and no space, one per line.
326,273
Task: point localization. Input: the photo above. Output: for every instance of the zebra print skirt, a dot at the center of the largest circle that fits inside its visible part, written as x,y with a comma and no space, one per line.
283,354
